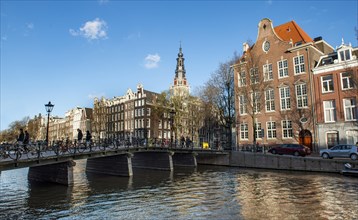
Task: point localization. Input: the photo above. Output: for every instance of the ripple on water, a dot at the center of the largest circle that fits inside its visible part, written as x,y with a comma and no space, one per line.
204,193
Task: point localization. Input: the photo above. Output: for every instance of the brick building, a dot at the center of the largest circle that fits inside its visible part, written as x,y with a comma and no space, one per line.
336,94
274,85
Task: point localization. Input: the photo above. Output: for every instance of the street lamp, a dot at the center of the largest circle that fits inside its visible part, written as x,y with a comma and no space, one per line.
172,114
49,108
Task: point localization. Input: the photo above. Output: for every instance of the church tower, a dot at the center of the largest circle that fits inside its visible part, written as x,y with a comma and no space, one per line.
181,86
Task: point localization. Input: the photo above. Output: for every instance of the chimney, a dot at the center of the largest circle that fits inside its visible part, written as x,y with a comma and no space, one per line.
245,47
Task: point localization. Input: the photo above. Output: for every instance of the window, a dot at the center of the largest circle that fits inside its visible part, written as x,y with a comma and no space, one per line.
299,62
258,130
270,100
345,55
244,131
287,131
271,129
350,109
285,98
332,139
327,83
347,81
256,104
254,75
243,105
282,68
268,72
301,95
329,111
242,78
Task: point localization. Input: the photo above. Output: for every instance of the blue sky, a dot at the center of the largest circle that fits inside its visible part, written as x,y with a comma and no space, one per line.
68,52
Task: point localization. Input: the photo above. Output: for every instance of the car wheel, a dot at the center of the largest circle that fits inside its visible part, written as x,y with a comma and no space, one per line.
325,156
354,156
274,152
296,154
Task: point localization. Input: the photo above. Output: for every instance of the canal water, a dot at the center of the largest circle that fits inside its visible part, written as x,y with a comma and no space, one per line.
206,192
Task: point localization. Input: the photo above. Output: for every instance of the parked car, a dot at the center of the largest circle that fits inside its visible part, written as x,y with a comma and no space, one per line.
340,150
292,149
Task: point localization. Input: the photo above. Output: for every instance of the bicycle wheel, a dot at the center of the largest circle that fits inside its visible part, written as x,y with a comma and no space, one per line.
71,149
15,154
81,148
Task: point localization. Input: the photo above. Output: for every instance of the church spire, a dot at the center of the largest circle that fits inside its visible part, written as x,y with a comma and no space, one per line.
180,69
181,86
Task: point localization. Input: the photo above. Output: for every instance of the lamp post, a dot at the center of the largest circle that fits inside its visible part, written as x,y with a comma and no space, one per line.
49,108
172,114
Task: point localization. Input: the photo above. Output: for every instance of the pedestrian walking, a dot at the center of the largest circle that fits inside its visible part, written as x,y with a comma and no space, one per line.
27,138
21,136
88,137
79,135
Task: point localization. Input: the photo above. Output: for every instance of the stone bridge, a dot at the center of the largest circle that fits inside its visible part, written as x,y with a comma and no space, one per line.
119,162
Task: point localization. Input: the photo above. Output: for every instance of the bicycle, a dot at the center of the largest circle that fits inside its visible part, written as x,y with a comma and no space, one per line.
33,150
4,151
16,150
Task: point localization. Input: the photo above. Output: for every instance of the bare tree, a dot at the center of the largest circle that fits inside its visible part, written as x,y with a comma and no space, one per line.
10,134
220,91
252,88
160,111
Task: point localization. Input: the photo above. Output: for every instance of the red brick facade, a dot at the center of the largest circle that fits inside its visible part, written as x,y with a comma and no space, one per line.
274,85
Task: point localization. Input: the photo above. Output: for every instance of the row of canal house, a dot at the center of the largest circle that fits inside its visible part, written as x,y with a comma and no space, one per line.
136,115
291,88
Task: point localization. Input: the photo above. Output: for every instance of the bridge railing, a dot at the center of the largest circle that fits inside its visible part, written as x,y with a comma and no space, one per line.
40,149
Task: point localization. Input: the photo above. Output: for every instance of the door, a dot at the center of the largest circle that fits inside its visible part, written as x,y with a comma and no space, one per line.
305,138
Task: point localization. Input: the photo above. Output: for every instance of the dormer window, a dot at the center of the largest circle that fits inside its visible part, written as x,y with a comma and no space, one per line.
345,55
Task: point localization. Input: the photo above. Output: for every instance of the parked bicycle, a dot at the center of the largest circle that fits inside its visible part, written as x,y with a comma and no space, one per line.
16,150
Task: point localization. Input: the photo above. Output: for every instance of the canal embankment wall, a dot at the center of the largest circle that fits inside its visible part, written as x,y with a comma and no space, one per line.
278,162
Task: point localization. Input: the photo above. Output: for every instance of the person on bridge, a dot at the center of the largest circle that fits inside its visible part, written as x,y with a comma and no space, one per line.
21,137
79,135
27,138
88,137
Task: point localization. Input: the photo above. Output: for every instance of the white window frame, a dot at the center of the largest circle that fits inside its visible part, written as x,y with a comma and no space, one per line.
258,130
299,64
350,111
301,96
328,82
254,75
271,130
329,111
270,100
287,130
267,70
244,131
348,79
345,54
285,99
242,78
242,105
282,67
256,102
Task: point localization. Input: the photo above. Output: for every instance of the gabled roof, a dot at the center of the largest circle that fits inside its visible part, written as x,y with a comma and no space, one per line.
291,30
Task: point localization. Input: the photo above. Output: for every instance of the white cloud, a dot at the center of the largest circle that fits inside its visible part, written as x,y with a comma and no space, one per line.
133,36
102,2
92,30
269,2
30,26
152,61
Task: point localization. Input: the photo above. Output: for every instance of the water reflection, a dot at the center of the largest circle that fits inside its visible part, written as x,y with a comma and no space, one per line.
205,192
